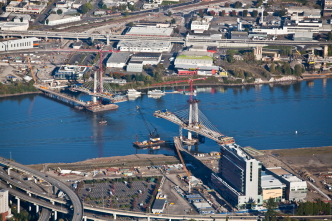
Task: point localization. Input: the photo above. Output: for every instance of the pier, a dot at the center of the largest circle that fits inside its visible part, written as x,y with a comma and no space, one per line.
76,103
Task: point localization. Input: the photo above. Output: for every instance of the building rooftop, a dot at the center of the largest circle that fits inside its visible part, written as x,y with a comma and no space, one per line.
159,204
144,44
269,181
150,31
284,174
119,57
146,55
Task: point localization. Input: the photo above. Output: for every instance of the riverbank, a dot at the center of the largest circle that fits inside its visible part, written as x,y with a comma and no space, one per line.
18,94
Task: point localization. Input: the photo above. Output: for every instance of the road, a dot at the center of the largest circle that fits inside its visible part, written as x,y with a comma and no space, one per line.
77,204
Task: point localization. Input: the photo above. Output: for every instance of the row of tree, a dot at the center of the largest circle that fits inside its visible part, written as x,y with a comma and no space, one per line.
314,208
17,87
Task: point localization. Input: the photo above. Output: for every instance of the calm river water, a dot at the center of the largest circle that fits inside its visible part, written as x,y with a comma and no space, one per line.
37,129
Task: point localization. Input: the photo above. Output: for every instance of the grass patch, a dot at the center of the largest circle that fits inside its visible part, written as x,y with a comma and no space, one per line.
303,151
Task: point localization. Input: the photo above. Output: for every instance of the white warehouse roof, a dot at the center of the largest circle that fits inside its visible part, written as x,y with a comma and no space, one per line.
150,31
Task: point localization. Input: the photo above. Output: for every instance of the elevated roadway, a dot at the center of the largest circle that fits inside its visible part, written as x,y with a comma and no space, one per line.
45,215
77,204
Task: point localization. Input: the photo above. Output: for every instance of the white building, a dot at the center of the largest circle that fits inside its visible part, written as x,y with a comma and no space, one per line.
272,188
135,66
24,7
55,19
145,46
240,177
158,206
296,188
14,26
150,31
18,44
147,58
200,26
4,208
117,60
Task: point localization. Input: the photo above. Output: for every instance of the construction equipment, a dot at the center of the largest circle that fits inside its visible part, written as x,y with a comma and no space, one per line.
190,81
153,134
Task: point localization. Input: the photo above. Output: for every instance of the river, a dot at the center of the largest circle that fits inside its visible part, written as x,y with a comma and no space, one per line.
36,129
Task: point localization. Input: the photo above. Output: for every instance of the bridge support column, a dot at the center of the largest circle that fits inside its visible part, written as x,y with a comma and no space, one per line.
107,39
148,218
85,218
52,202
46,38
37,208
8,171
29,194
29,207
18,204
55,215
92,39
114,215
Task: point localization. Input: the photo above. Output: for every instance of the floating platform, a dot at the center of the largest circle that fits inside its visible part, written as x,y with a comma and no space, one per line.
99,108
148,144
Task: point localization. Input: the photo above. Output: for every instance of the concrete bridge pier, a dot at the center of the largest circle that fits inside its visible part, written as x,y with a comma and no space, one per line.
107,39
52,202
84,218
37,208
148,218
18,204
29,194
114,215
55,215
92,39
8,171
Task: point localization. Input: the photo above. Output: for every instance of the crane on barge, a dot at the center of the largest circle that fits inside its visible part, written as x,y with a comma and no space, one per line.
154,138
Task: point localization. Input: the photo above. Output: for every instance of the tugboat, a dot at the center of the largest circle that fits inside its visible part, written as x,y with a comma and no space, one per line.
103,122
154,138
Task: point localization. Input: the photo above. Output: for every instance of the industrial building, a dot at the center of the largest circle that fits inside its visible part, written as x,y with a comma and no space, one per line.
14,26
147,58
272,188
239,35
25,7
145,46
5,211
55,19
18,44
158,206
199,26
296,188
302,36
150,31
135,66
70,72
118,60
240,177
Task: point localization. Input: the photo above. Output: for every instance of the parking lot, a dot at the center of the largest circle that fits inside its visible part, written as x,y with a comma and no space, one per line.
123,193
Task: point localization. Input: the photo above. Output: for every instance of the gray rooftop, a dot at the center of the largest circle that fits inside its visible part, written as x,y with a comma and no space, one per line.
119,57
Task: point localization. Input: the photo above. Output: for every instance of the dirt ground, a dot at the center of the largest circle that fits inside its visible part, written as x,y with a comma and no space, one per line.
305,163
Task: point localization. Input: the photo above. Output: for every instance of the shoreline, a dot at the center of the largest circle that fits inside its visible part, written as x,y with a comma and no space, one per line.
18,94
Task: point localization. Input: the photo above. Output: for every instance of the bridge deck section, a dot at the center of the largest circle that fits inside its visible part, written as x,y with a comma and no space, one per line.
197,128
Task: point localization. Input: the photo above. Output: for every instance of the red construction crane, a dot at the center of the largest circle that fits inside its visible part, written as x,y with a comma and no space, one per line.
100,51
190,81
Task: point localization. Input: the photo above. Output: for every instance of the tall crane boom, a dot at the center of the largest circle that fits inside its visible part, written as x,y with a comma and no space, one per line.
153,134
190,81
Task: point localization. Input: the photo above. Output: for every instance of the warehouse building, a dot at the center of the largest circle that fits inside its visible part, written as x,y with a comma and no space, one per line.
150,31
296,188
18,44
14,26
147,58
135,66
55,19
239,35
118,60
145,46
158,206
302,36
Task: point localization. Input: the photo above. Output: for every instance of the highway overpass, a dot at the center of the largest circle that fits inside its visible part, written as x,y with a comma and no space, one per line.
76,202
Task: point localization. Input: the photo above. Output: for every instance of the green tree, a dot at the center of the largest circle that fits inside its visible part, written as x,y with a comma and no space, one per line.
173,21
59,11
85,8
245,13
254,13
222,13
298,70
233,13
329,36
272,68
169,13
130,24
47,21
201,12
286,69
259,3
237,4
265,13
271,214
126,13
